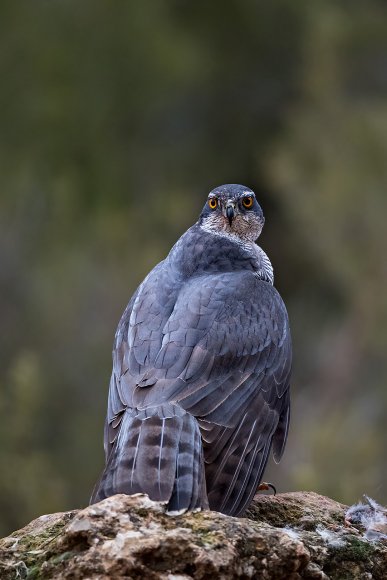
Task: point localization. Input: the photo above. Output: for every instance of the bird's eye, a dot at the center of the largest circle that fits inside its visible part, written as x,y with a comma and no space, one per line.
213,203
248,201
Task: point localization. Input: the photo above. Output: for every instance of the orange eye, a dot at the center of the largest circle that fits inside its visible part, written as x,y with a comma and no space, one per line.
248,201
213,203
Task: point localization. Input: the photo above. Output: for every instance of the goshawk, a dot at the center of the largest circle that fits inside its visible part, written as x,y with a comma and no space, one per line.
199,391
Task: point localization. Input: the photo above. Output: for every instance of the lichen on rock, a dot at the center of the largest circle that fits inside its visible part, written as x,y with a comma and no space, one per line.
289,536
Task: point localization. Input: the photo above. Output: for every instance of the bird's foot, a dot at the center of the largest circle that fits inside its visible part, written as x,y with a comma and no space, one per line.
266,486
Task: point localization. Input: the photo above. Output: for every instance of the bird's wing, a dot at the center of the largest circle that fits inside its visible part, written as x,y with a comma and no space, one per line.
226,338
139,334
116,406
225,357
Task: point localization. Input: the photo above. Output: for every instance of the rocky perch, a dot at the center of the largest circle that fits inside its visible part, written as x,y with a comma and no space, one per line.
289,536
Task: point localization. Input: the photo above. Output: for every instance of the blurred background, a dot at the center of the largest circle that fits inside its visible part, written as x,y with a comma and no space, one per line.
116,120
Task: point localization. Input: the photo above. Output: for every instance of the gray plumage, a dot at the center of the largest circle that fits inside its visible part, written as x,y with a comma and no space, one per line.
199,391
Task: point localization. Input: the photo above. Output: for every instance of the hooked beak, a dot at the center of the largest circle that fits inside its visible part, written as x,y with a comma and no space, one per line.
230,212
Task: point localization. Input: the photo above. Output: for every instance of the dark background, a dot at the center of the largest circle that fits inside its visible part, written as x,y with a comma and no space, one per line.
116,120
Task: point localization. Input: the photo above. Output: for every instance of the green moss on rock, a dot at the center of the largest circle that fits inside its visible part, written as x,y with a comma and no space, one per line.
355,550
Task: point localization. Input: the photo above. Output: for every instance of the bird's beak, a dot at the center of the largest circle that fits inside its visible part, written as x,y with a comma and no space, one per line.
230,211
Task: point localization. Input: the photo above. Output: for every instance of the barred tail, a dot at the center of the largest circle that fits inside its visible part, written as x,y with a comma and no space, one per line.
158,451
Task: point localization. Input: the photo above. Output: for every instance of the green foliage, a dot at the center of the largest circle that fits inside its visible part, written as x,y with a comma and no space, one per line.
115,121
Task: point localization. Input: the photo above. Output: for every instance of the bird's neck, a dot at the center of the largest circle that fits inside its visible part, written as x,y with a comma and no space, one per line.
199,251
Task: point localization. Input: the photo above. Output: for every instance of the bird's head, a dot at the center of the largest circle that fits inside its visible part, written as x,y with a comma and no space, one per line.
233,210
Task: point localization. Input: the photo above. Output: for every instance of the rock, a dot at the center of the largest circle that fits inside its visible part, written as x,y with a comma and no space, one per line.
289,536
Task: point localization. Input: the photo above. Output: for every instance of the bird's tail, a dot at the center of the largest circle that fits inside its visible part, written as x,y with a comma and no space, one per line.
158,451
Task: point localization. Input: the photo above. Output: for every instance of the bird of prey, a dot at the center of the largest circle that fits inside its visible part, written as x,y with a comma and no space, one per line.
199,391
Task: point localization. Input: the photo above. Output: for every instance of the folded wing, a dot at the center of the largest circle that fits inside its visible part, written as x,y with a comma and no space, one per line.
219,348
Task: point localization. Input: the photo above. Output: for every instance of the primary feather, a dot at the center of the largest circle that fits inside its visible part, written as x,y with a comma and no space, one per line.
201,367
